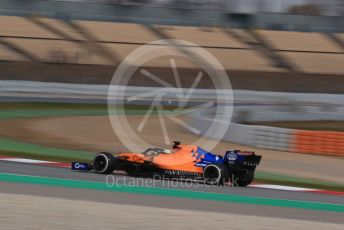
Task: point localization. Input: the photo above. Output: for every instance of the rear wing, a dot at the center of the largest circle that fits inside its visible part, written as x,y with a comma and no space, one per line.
252,160
242,158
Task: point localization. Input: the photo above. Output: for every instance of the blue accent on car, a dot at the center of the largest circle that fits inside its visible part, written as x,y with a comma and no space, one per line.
205,158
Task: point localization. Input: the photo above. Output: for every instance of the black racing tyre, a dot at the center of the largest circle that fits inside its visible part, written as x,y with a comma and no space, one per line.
242,180
215,174
104,163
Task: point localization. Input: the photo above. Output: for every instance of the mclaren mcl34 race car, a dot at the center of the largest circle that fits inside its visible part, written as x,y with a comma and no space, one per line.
182,161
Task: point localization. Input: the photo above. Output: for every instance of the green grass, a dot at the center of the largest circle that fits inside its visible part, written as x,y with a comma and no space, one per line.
30,110
22,113
48,105
305,125
57,105
21,149
37,156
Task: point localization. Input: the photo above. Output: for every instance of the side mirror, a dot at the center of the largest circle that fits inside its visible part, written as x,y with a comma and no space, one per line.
176,144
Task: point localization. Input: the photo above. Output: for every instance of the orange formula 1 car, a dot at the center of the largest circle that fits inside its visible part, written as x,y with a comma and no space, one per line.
182,161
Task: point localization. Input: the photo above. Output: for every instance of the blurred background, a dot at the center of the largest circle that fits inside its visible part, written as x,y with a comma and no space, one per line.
284,58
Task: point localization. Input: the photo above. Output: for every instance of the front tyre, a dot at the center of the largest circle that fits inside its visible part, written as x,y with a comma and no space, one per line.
104,163
215,174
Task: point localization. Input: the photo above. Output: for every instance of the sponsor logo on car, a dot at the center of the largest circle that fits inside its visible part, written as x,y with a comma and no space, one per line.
232,156
78,165
201,164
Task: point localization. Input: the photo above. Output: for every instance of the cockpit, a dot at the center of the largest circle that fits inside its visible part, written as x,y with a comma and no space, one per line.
152,152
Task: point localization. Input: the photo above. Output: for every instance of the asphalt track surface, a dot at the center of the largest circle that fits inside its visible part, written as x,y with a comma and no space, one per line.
168,202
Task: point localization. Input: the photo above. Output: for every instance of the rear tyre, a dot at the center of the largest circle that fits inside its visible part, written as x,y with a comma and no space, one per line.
215,174
242,180
104,163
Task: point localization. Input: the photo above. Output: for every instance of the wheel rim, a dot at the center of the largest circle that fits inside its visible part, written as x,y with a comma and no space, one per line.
212,174
100,163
